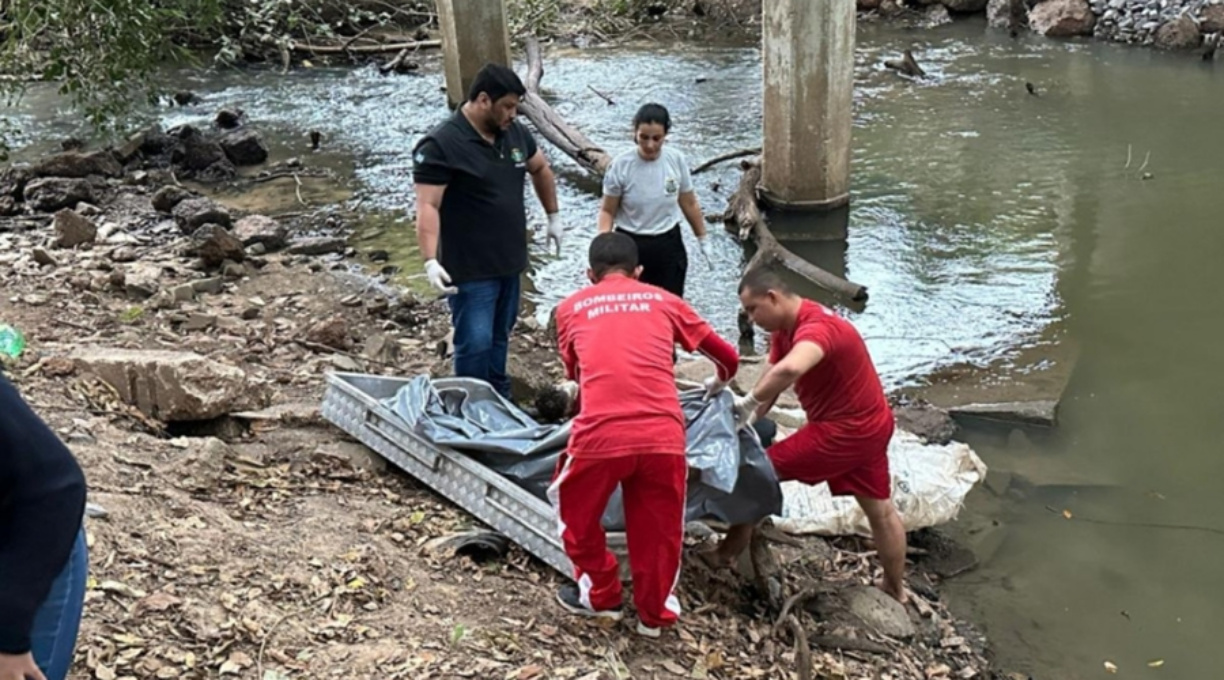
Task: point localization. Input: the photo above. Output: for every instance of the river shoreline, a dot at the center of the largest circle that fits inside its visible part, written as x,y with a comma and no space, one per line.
101,260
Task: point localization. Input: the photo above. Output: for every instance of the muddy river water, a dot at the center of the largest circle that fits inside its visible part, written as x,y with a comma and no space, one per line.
995,229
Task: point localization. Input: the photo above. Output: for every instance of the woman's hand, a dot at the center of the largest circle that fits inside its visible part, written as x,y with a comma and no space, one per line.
19,667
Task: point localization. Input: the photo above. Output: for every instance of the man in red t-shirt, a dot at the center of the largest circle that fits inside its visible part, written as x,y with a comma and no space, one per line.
849,422
616,339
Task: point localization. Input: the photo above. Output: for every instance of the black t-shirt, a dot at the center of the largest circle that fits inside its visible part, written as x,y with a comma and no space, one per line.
42,504
483,216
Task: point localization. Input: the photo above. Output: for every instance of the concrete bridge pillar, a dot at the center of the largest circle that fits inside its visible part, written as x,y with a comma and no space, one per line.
808,54
474,33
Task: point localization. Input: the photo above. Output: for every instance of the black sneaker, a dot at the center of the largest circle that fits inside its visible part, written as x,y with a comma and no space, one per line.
570,598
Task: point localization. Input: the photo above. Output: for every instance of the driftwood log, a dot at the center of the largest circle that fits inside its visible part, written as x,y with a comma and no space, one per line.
907,65
552,126
744,215
365,49
729,156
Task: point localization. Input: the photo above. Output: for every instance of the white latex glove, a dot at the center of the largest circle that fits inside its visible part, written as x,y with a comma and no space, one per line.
570,388
704,244
555,231
438,278
714,386
745,410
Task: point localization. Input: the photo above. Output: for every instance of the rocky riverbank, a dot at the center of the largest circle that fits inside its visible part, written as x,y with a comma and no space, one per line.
1167,24
179,345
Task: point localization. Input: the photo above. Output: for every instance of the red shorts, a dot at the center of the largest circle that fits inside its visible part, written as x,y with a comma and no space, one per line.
853,465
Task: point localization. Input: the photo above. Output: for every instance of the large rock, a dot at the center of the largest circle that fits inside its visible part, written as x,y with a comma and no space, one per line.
195,152
331,332
244,147
215,244
1179,34
965,5
1042,413
203,465
228,118
1062,18
936,15
173,386
934,425
49,194
194,213
1005,13
261,229
53,193
319,245
72,229
1211,19
76,164
169,196
13,180
867,607
141,280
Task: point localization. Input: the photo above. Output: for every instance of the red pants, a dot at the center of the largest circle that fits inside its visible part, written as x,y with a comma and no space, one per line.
854,463
653,488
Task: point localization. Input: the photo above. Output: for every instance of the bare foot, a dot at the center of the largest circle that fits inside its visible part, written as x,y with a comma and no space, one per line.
896,592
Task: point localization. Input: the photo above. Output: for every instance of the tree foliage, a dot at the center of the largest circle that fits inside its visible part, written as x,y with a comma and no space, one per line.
103,54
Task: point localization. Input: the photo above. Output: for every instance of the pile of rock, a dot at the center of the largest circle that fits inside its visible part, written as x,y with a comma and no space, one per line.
1170,24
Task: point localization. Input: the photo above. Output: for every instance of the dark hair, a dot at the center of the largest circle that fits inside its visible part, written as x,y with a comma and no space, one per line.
761,280
652,113
497,81
612,251
552,405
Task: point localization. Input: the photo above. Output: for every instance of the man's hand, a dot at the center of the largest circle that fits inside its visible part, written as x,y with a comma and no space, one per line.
714,386
704,244
19,667
745,409
555,231
438,278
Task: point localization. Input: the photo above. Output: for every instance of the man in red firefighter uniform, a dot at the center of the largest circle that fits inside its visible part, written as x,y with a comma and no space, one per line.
616,339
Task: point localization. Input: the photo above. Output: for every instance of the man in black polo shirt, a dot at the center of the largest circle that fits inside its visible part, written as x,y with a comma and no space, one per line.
468,176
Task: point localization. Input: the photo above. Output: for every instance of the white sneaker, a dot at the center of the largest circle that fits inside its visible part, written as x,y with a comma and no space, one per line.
646,631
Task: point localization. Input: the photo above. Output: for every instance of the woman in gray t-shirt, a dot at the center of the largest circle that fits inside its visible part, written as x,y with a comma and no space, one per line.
647,190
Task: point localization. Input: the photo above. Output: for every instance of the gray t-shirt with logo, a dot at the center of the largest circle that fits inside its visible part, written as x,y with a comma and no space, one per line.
649,190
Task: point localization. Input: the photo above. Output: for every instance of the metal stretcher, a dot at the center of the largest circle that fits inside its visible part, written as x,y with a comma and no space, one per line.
353,402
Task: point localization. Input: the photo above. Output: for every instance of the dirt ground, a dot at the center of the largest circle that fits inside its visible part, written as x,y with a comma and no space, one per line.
272,546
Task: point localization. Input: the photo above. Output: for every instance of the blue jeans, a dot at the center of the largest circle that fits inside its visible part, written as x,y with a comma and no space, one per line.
483,313
54,635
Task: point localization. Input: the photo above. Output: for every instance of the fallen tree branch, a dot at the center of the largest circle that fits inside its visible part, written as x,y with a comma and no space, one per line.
349,43
846,644
798,598
364,49
602,95
745,214
906,65
729,156
399,62
298,189
803,653
765,569
552,127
